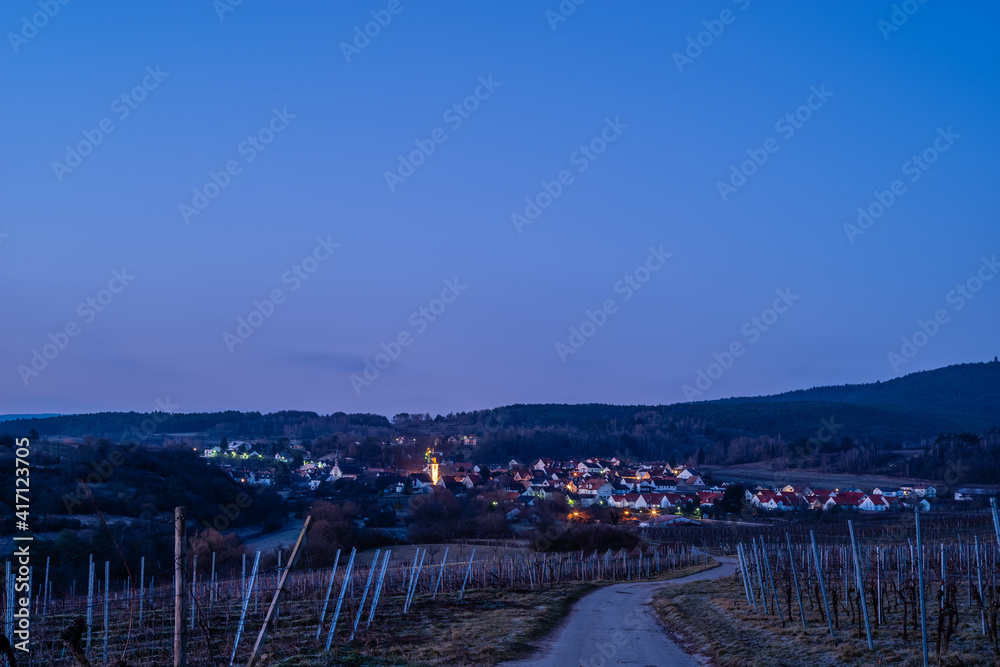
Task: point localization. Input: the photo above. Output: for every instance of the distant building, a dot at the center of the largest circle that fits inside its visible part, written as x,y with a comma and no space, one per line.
967,493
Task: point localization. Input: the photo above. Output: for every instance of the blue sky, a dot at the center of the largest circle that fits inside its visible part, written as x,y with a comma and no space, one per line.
336,124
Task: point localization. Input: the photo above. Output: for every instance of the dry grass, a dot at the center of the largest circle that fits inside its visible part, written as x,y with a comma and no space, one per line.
483,629
713,618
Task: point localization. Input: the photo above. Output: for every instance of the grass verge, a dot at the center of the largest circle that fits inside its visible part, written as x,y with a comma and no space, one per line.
485,628
712,618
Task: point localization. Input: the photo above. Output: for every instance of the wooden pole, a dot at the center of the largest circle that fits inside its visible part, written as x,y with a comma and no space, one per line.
364,596
996,518
107,590
180,659
194,583
292,559
90,603
795,578
45,594
979,578
211,587
822,586
878,583
329,589
743,572
920,577
860,584
760,576
142,584
378,586
413,584
466,580
340,599
243,613
770,578
440,574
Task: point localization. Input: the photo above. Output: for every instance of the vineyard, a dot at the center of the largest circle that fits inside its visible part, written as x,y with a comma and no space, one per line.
883,587
216,617
888,586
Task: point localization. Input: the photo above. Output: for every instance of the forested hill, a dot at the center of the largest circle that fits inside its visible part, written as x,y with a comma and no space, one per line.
966,396
877,417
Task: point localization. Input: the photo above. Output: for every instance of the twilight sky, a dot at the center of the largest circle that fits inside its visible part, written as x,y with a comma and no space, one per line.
682,173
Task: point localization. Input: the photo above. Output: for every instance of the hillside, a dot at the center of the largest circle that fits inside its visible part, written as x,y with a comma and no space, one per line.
869,422
960,397
4,418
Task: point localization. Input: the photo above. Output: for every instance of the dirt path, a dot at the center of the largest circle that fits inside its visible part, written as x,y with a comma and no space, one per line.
614,625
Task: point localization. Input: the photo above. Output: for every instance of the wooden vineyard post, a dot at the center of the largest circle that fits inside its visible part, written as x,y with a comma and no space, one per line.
920,578
440,574
107,591
45,589
860,585
413,584
179,562
878,585
292,559
142,584
364,596
996,519
340,598
243,612
795,578
770,578
979,578
743,572
378,586
194,583
466,580
329,589
822,586
90,603
760,576
413,571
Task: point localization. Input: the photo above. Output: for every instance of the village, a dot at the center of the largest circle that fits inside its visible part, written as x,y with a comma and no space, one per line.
592,490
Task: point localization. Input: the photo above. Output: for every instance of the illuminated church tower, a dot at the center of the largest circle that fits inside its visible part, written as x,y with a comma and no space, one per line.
435,471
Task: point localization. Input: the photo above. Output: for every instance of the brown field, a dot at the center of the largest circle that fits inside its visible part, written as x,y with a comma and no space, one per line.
711,619
762,473
485,628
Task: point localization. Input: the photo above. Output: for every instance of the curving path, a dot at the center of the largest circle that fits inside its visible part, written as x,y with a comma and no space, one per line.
615,626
